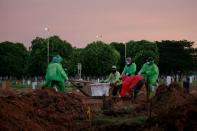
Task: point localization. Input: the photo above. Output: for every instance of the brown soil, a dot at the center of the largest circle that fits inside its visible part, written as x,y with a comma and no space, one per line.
180,118
42,110
167,98
172,109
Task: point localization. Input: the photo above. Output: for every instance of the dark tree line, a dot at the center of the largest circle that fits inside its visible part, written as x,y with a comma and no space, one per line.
176,56
13,59
37,63
96,58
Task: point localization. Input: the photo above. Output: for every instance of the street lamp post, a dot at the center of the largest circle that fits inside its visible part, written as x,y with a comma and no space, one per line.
46,29
125,49
79,66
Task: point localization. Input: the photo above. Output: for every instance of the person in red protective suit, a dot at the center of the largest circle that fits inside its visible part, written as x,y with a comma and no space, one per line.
132,85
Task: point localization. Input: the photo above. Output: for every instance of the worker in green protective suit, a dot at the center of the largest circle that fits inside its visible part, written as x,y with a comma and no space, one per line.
129,69
150,72
55,74
114,80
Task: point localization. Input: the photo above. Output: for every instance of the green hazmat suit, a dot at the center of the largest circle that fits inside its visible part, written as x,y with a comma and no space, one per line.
129,70
55,74
114,78
115,82
150,72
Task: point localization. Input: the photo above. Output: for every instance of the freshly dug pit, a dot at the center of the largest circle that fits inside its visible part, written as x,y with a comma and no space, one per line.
172,109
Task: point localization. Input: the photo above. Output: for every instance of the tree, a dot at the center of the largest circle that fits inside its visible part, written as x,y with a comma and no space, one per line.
38,55
139,51
120,47
175,56
194,57
74,60
97,59
37,61
13,59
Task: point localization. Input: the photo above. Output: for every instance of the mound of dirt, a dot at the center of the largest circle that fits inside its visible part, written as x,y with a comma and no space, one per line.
172,109
42,110
181,118
167,98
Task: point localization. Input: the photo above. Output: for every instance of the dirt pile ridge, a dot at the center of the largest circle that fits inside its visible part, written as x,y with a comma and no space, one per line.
173,109
167,98
42,110
180,118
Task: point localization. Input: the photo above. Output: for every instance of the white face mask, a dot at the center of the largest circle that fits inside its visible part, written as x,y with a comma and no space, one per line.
127,62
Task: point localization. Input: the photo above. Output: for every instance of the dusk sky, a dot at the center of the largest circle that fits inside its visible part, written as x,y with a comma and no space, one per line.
80,21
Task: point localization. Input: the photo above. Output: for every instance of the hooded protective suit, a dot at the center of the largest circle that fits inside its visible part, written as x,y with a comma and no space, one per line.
150,72
55,75
129,69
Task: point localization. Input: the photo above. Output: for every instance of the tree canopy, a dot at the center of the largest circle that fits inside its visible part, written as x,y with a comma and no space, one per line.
73,61
120,47
13,59
38,55
175,56
98,57
141,50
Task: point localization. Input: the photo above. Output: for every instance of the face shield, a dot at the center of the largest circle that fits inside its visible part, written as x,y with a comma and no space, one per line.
57,59
150,61
128,61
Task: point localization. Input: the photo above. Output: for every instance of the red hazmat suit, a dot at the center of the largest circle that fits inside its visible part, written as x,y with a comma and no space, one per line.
132,83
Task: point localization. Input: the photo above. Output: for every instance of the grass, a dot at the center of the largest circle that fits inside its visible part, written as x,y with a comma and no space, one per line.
104,120
194,84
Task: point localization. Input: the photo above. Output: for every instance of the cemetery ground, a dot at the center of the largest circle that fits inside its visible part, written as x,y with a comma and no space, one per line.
22,108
